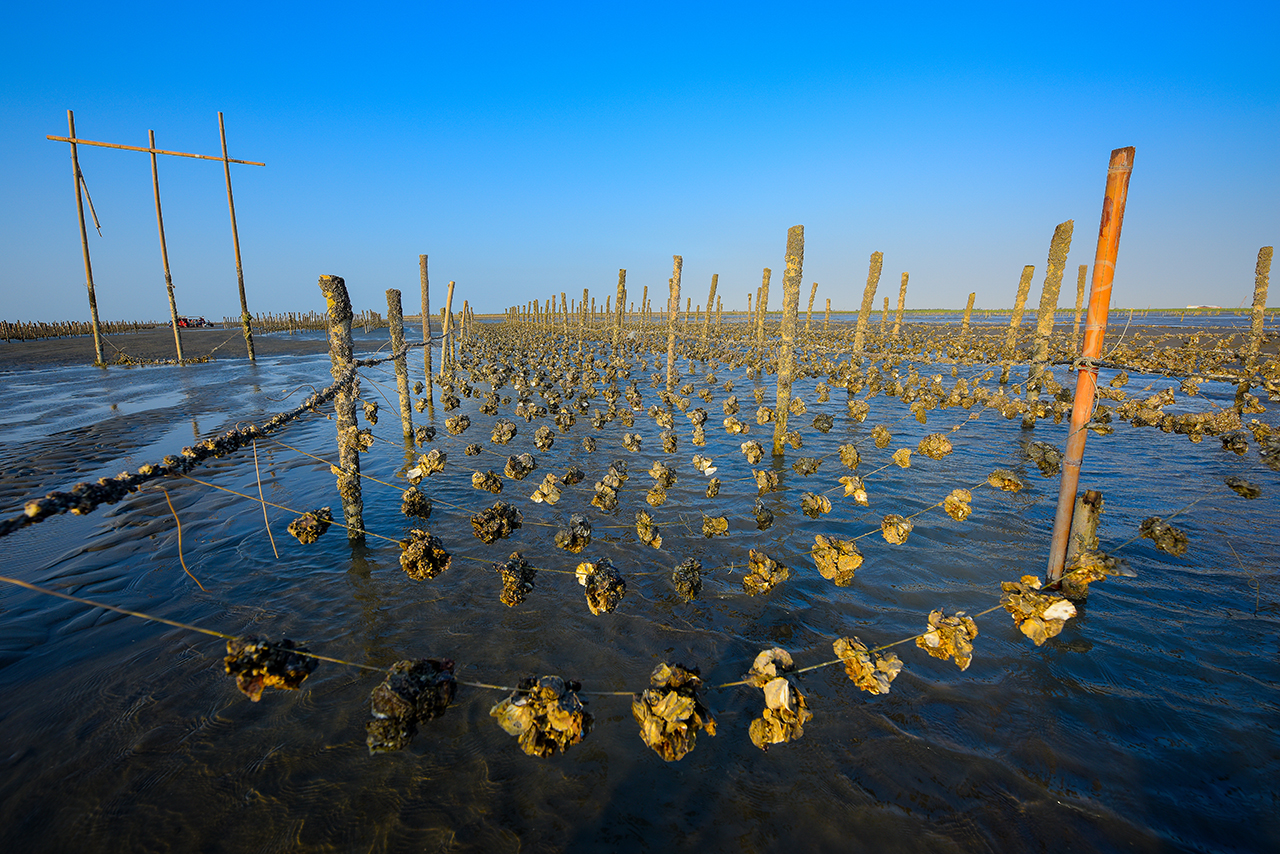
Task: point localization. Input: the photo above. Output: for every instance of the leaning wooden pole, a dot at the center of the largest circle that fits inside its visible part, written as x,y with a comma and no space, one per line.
762,307
341,354
1059,246
968,312
1104,269
395,324
868,300
711,300
98,358
902,304
808,315
790,317
673,310
1252,344
235,241
164,251
1075,328
447,333
1015,320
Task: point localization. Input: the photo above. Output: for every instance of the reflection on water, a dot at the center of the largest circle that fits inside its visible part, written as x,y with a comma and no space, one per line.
1147,725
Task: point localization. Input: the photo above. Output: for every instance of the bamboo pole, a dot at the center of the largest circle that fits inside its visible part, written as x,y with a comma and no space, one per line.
235,242
673,309
341,354
98,358
1104,267
395,325
868,300
787,351
164,251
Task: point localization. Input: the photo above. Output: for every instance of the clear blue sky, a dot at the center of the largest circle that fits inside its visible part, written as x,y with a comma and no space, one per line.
534,148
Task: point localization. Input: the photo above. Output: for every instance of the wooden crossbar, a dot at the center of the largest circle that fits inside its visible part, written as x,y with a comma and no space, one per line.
150,150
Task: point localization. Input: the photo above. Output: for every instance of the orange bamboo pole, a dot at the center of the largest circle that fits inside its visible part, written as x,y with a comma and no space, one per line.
1104,269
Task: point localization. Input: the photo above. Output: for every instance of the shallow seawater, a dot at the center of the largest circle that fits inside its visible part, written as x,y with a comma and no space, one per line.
1147,725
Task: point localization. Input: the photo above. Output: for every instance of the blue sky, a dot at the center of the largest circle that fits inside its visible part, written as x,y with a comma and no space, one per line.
529,149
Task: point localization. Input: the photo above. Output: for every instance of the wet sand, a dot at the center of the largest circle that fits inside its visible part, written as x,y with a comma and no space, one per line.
153,345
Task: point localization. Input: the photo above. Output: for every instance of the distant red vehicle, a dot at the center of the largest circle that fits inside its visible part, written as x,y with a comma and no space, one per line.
191,322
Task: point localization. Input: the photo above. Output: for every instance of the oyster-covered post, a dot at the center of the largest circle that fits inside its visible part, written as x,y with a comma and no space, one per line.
344,402
868,300
790,312
1104,268
808,315
1261,278
426,324
619,308
711,300
968,311
395,324
1059,246
902,304
1075,328
762,307
1015,320
673,309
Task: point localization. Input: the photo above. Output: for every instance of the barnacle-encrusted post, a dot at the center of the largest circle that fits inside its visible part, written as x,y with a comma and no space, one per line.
1015,320
1059,246
344,403
787,352
1075,329
1104,269
868,299
808,315
620,309
1261,278
447,334
826,321
426,326
395,323
673,309
762,307
968,310
711,300
902,302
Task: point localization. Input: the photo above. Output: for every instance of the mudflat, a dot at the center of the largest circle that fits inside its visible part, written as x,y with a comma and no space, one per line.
153,345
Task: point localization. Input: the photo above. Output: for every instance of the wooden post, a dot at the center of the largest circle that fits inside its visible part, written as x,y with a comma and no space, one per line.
711,299
426,327
826,321
1261,279
673,309
235,241
719,310
1075,329
868,299
884,319
787,351
1104,268
98,358
341,354
395,324
808,315
750,316
164,251
1059,246
762,308
1015,320
1084,524
968,311
902,303
447,355
620,305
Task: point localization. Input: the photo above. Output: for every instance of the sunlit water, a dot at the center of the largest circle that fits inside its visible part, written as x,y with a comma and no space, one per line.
1148,725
